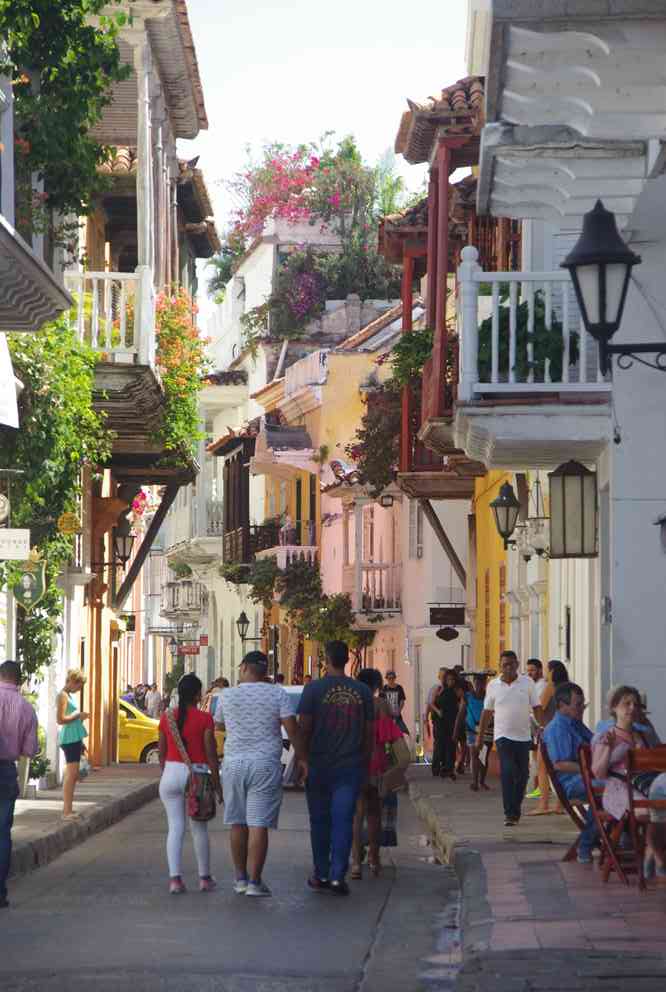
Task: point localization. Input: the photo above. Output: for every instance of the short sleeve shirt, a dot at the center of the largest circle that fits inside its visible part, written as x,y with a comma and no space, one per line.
394,698
192,734
340,708
252,713
563,737
512,704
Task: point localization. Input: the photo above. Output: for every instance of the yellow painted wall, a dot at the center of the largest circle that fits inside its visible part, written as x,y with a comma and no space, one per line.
492,629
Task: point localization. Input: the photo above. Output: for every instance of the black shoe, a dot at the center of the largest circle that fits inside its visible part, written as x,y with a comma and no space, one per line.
4,903
318,884
510,821
339,888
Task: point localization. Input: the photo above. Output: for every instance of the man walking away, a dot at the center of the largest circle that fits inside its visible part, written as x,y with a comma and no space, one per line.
395,698
18,738
336,715
253,713
154,702
512,698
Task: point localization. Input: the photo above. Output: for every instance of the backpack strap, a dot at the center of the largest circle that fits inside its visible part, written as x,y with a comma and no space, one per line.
178,740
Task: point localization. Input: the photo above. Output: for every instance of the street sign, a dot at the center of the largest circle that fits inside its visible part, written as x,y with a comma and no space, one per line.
31,587
447,616
203,640
14,544
188,649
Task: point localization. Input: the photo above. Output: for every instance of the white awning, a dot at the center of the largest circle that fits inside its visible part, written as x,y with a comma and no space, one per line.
8,387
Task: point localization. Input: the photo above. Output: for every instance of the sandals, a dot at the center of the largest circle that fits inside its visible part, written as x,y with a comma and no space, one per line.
356,873
375,867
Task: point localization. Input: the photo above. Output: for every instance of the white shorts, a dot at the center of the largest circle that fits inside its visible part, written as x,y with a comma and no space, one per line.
252,792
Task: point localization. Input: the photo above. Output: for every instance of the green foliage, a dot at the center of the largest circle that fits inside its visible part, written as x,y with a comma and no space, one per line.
60,434
172,678
376,446
180,569
223,266
40,764
547,345
181,361
63,59
408,356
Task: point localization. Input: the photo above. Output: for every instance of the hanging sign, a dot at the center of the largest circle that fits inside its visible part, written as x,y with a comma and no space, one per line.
14,544
68,523
447,616
31,586
188,649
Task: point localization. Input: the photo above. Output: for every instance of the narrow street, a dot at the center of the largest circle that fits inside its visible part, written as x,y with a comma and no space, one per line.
100,917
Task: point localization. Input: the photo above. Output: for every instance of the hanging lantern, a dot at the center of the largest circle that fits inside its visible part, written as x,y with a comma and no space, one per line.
505,509
573,512
538,525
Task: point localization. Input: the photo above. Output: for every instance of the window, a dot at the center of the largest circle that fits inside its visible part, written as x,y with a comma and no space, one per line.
126,712
486,616
415,529
502,607
283,497
346,532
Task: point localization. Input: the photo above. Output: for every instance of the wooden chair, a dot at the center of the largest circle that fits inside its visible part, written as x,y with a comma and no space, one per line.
574,808
613,858
641,760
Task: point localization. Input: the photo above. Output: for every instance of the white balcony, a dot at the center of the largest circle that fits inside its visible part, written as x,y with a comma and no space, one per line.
530,393
114,313
374,588
186,598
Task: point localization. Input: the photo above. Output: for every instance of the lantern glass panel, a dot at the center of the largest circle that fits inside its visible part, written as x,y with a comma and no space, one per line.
573,512
616,276
588,281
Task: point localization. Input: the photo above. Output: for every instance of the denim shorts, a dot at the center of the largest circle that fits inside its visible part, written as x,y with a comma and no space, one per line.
252,792
73,752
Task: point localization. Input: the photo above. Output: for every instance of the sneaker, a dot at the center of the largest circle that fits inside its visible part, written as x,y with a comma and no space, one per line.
584,858
339,888
318,884
240,886
176,886
207,884
534,794
510,821
257,889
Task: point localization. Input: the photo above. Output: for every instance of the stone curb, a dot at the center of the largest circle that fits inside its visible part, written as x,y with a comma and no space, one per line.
444,840
31,854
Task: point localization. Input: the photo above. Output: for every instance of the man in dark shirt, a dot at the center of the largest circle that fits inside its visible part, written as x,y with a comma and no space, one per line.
336,715
395,698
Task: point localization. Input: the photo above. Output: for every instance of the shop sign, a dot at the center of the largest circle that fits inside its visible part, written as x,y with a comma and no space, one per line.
188,649
203,641
447,616
30,588
14,544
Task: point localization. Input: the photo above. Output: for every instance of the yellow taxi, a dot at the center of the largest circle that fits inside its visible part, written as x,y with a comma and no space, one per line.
139,736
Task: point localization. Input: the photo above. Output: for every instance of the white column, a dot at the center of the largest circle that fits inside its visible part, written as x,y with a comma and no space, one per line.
357,598
144,181
7,191
468,288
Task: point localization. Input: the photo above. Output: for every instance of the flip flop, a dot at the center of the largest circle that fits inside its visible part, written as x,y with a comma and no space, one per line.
539,812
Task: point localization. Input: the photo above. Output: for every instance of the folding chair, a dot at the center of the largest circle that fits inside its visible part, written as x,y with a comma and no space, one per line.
639,761
613,858
575,808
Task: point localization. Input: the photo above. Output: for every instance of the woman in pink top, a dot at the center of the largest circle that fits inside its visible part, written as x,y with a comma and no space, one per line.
369,805
609,763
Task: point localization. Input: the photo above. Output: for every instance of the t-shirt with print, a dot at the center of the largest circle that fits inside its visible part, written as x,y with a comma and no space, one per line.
394,697
252,713
340,707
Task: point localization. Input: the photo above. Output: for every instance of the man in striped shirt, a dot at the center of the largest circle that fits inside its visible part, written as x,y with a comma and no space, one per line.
18,738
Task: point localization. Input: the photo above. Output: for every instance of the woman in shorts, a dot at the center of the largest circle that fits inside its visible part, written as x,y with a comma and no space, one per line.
71,736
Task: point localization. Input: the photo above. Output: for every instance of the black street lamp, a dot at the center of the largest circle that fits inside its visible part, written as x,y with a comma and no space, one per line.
243,625
123,541
505,509
600,266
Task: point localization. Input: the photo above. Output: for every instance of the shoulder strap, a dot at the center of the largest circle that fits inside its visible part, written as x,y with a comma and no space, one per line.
178,740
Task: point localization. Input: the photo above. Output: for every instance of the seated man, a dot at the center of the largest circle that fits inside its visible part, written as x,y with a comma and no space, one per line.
563,737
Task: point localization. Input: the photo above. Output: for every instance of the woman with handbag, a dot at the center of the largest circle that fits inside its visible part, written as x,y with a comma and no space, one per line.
190,781
369,805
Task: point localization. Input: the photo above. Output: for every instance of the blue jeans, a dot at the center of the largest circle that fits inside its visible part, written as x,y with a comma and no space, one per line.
8,795
589,835
514,757
332,794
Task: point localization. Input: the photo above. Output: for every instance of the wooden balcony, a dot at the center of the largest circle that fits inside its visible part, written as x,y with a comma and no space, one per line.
242,545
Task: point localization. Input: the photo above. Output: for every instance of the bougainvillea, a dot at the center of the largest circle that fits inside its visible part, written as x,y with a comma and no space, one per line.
181,362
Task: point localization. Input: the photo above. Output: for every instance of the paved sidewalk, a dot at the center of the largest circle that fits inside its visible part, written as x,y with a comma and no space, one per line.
103,798
530,921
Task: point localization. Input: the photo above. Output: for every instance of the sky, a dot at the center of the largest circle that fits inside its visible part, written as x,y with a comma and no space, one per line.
292,71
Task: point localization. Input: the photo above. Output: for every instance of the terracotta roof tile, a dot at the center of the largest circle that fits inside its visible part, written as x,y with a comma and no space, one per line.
457,111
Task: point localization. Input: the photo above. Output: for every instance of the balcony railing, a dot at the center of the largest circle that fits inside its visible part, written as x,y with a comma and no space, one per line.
115,314
380,588
309,371
185,597
286,554
214,518
242,544
506,361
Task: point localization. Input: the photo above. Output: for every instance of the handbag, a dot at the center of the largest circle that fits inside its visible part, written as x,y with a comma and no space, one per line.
199,795
399,759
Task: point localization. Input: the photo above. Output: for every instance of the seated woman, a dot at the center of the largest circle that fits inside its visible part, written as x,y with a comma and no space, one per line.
609,762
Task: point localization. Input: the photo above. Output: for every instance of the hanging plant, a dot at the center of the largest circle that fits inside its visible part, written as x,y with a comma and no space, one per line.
547,343
375,447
